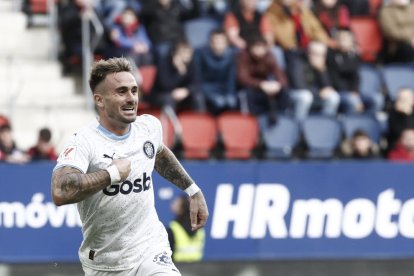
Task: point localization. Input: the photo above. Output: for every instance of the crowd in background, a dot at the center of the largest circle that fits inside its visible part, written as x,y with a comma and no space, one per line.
265,58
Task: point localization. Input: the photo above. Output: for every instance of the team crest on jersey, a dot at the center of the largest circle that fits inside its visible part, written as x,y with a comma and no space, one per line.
149,149
162,259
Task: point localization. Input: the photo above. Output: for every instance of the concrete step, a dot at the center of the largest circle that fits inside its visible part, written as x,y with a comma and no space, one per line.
35,43
6,6
63,123
13,22
29,70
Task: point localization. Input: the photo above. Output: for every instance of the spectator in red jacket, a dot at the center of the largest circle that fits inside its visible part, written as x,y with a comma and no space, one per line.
404,149
44,149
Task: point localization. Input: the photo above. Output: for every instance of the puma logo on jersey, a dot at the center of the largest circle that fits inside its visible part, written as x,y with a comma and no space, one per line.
110,157
138,185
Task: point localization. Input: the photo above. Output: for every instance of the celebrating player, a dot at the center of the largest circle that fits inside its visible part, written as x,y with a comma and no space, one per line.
106,168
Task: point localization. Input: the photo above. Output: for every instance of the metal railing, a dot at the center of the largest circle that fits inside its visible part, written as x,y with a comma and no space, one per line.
89,43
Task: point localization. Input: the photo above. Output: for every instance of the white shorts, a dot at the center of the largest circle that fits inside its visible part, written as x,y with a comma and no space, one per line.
156,264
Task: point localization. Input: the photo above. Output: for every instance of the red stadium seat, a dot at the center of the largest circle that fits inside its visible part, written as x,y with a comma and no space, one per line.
368,37
199,134
39,6
240,134
148,74
169,138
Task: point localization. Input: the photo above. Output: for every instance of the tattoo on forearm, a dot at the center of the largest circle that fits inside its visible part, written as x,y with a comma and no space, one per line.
167,165
70,185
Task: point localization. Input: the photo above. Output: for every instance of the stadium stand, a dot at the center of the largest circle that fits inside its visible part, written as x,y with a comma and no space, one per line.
368,37
322,135
367,123
199,134
280,139
397,77
240,134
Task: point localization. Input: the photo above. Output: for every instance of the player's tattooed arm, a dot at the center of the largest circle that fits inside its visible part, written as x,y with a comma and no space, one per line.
70,185
167,165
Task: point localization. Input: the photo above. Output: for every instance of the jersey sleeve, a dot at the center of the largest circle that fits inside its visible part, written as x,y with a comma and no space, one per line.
76,154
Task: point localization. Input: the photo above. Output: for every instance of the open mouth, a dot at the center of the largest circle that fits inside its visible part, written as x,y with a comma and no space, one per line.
130,108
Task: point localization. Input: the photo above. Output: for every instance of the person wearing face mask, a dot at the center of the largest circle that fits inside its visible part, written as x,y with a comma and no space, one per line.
397,24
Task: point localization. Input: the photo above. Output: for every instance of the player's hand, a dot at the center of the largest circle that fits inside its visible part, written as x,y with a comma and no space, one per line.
198,211
124,167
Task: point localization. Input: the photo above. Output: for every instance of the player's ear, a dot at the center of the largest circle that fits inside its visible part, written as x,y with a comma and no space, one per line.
98,99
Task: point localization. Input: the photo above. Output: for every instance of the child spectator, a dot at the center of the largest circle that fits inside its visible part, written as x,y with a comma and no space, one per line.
362,147
176,81
9,153
404,149
343,64
130,38
333,15
401,116
217,73
44,149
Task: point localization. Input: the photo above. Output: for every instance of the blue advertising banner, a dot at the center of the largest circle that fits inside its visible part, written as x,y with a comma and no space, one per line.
258,210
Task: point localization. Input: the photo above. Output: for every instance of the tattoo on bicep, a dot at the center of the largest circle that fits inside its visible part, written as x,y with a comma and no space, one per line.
167,165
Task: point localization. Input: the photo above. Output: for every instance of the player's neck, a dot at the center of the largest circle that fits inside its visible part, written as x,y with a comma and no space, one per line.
119,129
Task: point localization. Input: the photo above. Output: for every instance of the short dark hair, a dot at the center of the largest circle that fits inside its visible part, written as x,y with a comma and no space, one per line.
217,31
102,68
45,134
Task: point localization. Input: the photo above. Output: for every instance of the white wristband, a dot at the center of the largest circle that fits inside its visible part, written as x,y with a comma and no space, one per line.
192,189
114,174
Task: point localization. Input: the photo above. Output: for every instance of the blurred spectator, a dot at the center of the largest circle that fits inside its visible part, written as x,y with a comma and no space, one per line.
130,38
401,116
319,81
260,79
70,27
404,149
295,26
343,64
8,150
186,245
244,23
44,149
109,10
4,120
164,18
397,23
176,81
361,147
333,15
358,7
217,72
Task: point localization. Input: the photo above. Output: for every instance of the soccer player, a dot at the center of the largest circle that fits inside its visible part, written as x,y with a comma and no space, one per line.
106,168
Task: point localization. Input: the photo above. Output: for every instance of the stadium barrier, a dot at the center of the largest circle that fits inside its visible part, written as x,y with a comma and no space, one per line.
258,211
